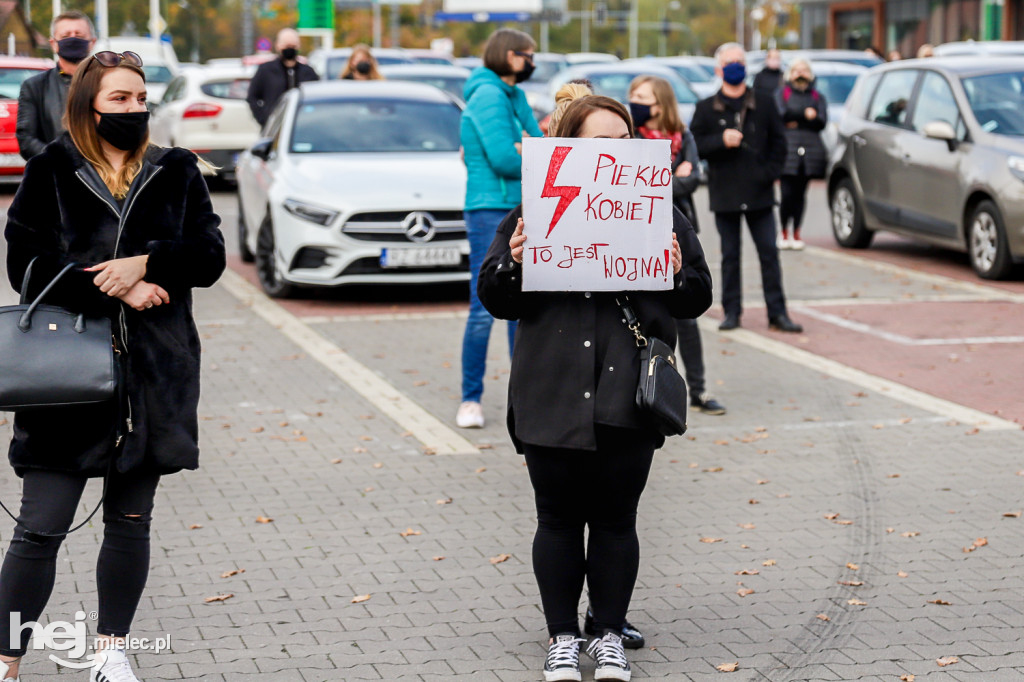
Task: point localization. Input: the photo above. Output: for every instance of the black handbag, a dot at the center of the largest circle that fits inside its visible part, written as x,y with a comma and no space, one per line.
50,356
660,390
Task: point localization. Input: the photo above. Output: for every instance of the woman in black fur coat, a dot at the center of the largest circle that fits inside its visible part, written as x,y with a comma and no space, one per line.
138,222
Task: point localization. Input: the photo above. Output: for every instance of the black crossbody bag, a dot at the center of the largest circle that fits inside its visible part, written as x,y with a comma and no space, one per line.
660,390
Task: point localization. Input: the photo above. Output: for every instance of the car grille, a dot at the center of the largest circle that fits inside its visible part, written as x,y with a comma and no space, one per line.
386,226
371,266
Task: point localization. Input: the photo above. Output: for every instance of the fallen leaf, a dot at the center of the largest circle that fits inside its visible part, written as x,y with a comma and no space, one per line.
366,438
264,519
768,562
360,599
878,426
906,420
219,597
228,574
851,583
446,500
832,517
822,616
782,496
753,501
710,540
907,678
902,574
258,429
763,481
856,602
947,660
1012,515
713,470
378,465
420,383
853,567
980,542
283,424
744,591
485,446
336,460
501,558
860,394
427,450
747,526
940,602
843,522
409,531
971,433
747,571
910,534
890,530
359,449
368,489
195,526
439,558
893,476
728,667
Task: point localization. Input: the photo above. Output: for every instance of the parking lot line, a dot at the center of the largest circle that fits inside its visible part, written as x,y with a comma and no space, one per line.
436,437
900,338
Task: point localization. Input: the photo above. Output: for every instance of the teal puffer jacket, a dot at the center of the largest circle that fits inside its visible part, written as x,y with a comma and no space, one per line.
495,117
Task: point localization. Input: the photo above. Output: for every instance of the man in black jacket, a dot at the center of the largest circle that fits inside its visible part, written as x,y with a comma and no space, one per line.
274,78
740,133
42,98
769,79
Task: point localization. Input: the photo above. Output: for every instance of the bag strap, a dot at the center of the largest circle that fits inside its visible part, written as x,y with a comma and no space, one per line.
99,504
631,320
25,323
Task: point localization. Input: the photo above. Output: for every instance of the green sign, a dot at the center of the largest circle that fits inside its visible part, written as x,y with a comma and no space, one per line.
316,14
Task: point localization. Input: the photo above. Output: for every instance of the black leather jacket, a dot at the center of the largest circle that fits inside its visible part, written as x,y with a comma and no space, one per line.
40,110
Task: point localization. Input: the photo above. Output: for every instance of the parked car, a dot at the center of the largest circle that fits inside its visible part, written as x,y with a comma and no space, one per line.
205,110
469,62
547,66
13,72
355,182
613,80
329,63
934,149
430,57
835,80
755,60
700,81
981,48
451,79
577,58
159,62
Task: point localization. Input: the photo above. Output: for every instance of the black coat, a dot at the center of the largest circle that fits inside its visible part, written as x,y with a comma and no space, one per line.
41,104
64,213
741,178
683,188
576,363
270,82
767,81
804,141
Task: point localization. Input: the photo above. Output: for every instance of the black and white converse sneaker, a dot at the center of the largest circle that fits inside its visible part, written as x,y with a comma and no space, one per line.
112,666
563,662
610,657
4,669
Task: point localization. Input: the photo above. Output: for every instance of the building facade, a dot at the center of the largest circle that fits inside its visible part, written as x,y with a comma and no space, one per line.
905,25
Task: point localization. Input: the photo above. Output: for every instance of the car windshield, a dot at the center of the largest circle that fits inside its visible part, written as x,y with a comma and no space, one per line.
11,80
157,73
866,60
375,125
442,61
453,85
227,89
692,73
997,100
546,69
616,85
835,87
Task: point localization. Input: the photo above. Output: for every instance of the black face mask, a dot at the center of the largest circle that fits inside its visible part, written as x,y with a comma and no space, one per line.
124,131
73,49
289,54
525,74
364,68
641,113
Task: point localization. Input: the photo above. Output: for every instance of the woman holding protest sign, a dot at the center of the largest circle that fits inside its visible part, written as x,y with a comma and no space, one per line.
590,453
652,103
493,124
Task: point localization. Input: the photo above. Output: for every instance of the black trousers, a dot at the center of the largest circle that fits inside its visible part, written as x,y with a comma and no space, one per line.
577,489
48,503
794,200
761,224
692,352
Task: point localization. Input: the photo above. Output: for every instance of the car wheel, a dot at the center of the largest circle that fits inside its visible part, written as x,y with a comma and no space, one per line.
986,242
848,218
266,263
243,235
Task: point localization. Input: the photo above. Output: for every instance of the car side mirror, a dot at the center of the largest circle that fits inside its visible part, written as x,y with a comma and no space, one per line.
941,130
261,149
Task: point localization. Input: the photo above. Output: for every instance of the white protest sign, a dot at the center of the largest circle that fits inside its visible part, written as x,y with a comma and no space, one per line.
597,214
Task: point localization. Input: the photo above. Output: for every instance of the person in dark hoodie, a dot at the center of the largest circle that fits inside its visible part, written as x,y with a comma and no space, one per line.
769,79
42,98
276,77
136,223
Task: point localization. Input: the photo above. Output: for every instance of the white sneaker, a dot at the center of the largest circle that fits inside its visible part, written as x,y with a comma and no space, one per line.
112,666
470,416
784,243
610,656
797,244
563,661
4,668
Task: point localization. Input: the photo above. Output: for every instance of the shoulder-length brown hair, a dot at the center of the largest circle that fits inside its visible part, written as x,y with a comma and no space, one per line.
501,41
80,122
664,97
576,114
350,65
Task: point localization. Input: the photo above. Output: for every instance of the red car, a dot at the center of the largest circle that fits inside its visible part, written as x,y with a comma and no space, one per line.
13,72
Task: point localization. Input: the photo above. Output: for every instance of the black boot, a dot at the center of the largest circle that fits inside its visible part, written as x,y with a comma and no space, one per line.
730,322
782,323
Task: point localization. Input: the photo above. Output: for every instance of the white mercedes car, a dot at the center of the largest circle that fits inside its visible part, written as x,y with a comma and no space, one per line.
355,182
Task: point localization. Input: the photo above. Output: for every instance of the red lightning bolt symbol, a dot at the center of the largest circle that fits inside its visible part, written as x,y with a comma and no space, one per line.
565,194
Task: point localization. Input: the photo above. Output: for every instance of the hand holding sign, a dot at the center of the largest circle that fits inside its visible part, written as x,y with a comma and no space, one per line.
598,213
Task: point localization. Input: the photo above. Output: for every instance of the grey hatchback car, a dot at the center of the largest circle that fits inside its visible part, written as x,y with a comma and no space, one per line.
934,149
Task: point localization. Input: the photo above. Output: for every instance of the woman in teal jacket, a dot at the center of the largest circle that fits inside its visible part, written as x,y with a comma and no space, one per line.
494,122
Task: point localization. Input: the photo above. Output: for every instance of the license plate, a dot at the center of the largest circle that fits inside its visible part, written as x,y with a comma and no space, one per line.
419,258
11,160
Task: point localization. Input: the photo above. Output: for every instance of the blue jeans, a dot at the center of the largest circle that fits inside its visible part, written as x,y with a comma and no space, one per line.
480,228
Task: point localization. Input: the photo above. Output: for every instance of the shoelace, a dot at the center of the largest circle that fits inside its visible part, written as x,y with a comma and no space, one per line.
564,652
608,651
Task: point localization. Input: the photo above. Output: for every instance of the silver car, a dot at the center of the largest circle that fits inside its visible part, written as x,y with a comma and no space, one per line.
934,149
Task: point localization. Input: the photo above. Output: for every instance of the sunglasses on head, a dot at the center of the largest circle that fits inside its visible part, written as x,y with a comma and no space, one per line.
109,59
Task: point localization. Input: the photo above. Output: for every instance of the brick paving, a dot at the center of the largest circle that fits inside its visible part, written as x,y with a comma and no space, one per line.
286,440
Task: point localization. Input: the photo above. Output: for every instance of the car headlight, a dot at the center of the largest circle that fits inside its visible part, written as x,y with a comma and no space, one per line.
1016,164
314,214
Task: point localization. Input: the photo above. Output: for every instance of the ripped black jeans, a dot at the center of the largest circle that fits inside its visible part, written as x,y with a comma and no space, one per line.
48,503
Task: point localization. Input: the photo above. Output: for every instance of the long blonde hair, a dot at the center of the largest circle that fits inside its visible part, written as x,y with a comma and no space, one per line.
79,121
350,65
565,96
